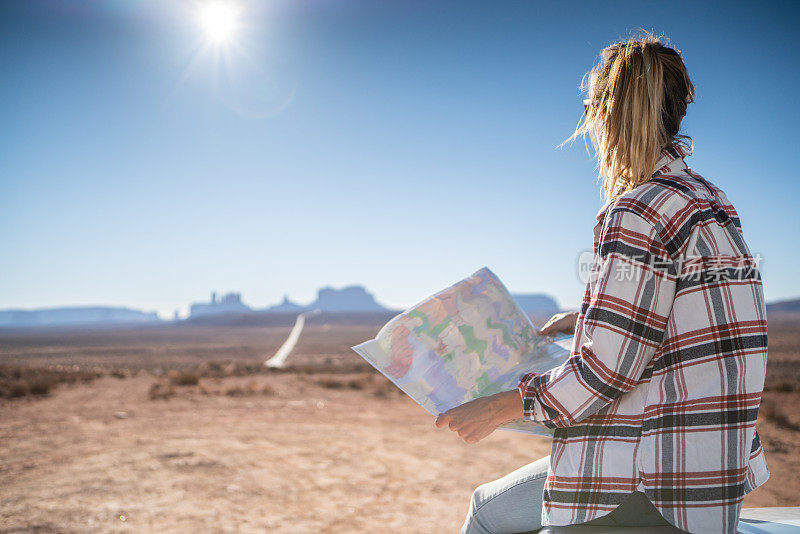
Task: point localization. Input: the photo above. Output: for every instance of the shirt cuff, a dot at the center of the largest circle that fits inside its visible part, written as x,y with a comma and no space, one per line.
532,407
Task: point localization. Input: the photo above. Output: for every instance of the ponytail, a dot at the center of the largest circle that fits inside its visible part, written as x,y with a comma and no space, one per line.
638,94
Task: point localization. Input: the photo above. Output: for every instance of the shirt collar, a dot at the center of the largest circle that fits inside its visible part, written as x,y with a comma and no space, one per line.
670,161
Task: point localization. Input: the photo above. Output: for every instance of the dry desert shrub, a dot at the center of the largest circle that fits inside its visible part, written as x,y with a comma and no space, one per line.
20,381
782,385
320,368
41,385
362,381
237,390
183,378
18,388
783,374
331,383
161,391
771,412
121,373
357,383
380,386
385,388
250,389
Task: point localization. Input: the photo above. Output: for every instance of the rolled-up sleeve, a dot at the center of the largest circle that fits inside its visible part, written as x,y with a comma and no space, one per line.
625,312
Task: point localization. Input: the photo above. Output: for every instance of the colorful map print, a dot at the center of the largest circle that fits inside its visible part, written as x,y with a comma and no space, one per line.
467,341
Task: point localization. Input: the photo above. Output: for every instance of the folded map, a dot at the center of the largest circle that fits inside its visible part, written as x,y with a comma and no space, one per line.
467,341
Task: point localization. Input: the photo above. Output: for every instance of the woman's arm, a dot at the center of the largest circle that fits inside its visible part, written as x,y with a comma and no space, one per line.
623,325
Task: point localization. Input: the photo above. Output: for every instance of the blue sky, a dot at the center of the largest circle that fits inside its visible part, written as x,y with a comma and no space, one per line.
400,145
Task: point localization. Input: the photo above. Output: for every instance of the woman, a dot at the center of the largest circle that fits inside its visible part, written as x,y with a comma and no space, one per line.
654,413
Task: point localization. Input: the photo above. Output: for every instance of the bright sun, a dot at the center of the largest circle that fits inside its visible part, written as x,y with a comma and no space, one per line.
219,20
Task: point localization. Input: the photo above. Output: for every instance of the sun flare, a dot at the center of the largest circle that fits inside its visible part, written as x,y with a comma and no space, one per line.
219,20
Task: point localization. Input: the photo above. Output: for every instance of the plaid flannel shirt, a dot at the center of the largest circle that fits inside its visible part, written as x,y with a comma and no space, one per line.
664,381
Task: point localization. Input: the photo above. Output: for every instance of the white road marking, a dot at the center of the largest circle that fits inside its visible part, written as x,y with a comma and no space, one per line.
279,358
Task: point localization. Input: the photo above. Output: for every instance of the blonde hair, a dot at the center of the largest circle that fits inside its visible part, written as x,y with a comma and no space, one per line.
638,91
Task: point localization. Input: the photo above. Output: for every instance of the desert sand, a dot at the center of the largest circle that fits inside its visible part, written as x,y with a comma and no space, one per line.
325,446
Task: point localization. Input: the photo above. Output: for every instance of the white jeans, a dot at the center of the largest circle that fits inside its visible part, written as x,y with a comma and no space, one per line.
513,504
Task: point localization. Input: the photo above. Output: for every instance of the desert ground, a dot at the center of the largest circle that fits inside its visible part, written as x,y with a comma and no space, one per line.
181,429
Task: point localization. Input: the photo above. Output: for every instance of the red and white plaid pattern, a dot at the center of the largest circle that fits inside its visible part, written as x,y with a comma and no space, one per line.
662,390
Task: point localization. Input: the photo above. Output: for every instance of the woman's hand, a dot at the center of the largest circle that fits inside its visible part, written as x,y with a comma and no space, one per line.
478,418
560,323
